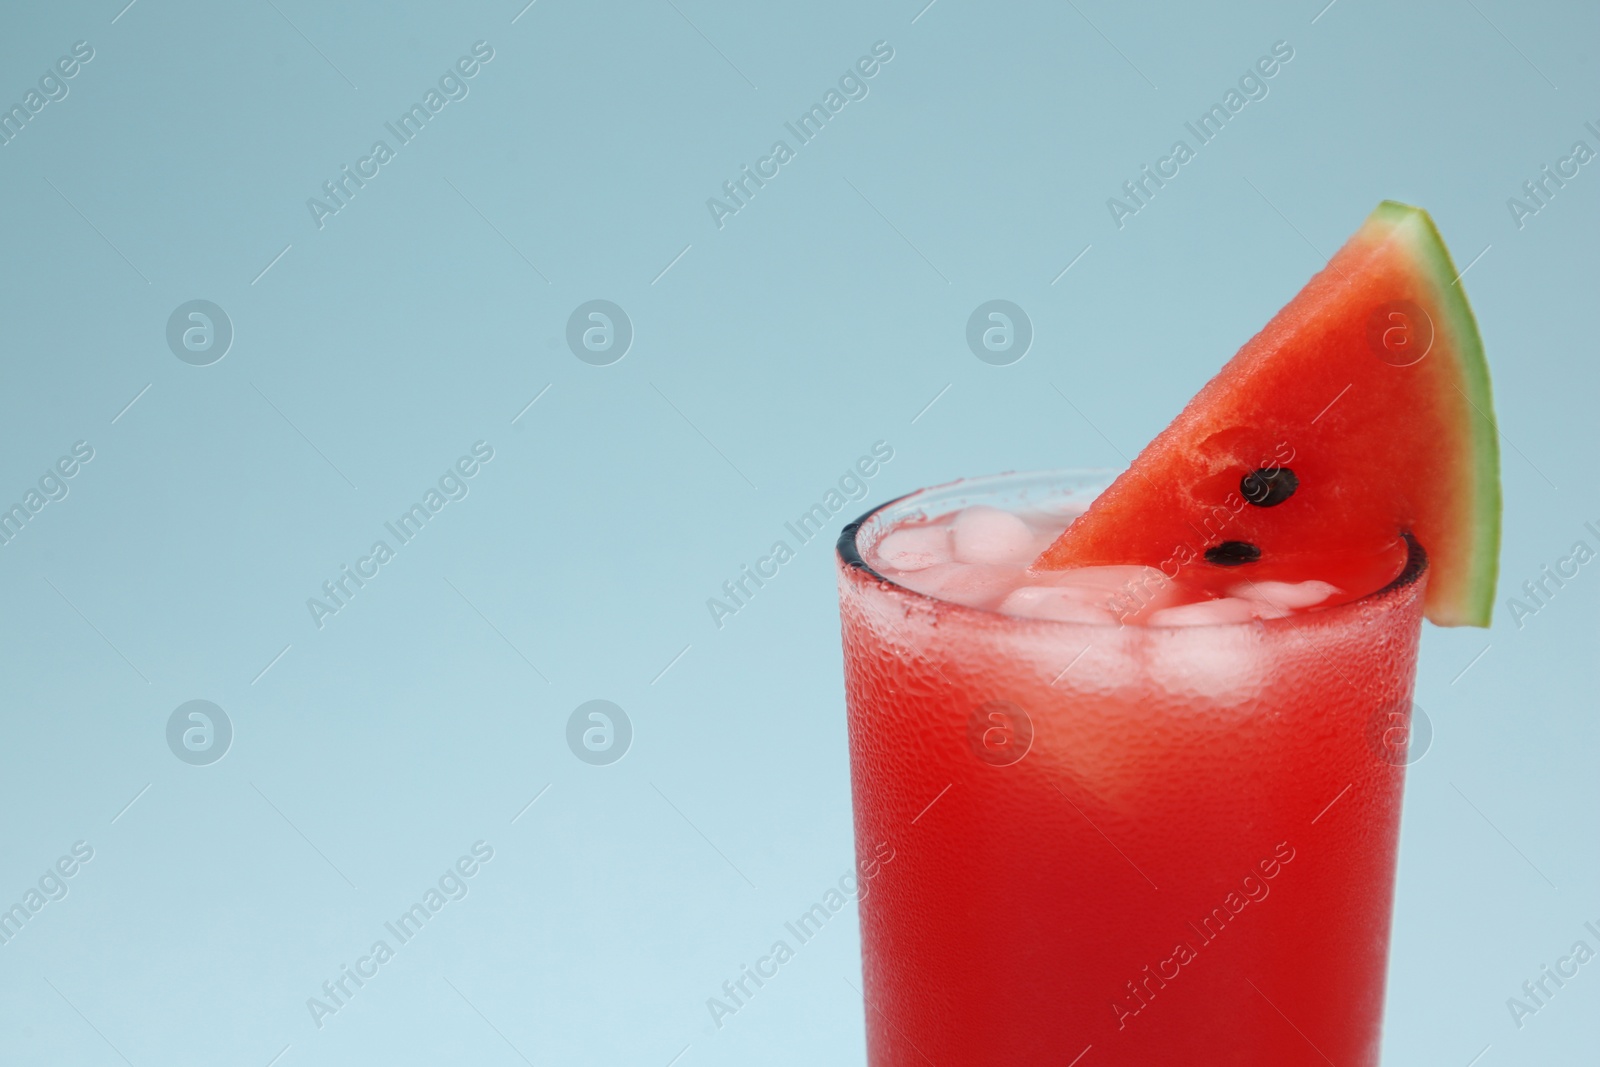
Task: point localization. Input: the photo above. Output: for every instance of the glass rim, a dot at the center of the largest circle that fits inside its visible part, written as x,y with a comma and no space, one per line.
849,553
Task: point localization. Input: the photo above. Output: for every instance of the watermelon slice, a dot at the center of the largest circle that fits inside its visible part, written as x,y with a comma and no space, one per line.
1359,415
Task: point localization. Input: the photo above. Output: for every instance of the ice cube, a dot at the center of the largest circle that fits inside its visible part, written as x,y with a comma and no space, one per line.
1225,664
1054,602
915,548
988,535
1130,592
1208,612
1286,596
1103,579
1265,610
977,585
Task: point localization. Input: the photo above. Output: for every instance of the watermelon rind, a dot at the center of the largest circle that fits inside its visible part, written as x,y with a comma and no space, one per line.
1470,600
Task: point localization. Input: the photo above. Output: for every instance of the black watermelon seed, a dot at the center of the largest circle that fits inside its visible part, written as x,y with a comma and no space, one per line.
1269,487
1232,553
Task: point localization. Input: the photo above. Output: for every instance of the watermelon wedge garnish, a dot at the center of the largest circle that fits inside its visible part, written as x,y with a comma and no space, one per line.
1360,414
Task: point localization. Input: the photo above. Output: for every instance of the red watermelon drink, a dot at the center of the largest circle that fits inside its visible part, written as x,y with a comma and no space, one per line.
1104,834
1139,749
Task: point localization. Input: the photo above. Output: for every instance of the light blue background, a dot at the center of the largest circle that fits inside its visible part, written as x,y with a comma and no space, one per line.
824,316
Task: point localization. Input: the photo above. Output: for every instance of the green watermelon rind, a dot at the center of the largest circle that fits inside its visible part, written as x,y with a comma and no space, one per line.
1472,602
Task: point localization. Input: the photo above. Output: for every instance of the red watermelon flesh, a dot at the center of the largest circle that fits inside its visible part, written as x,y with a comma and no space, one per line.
1360,414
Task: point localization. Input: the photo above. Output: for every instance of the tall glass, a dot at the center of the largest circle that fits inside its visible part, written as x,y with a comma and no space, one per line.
1133,845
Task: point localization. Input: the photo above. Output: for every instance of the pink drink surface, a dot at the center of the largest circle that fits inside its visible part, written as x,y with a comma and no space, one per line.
980,557
1140,844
